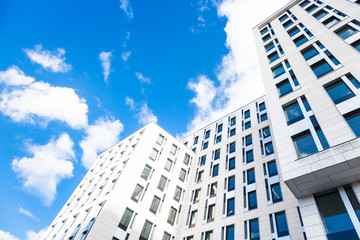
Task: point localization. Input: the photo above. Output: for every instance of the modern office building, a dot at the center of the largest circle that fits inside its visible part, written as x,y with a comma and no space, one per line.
285,166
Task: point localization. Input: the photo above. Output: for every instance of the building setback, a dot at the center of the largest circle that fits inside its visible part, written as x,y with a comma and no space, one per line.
285,166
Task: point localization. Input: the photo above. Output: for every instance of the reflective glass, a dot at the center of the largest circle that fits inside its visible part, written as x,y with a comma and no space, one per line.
321,68
304,144
339,91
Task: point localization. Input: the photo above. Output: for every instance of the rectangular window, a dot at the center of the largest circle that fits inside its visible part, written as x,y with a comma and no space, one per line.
356,45
331,21
233,121
160,140
284,87
309,52
232,147
231,183
155,204
154,154
353,119
172,216
125,219
230,233
196,139
247,125
319,132
203,160
230,207
320,14
254,229
269,149
137,193
232,132
162,183
272,168
177,194
218,139
249,156
321,68
211,213
206,144
278,70
252,200
220,127
339,91
288,23
200,176
293,112
166,236
193,217
273,56
231,163
145,232
215,170
209,235
353,200
266,132
304,144
146,172
300,40
263,117
266,37
213,189
276,192
250,175
168,164
262,106
186,159
346,31
281,224
196,195
217,154
173,149
182,175
248,140
207,134
293,31
247,114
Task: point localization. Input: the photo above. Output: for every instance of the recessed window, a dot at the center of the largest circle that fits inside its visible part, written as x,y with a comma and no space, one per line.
160,140
248,125
213,189
263,31
247,114
207,134
309,52
249,156
231,183
293,31
262,106
200,176
311,8
177,194
196,139
137,193
230,233
284,87
217,154
168,164
281,224
319,132
252,200
206,145
320,14
220,127
254,229
146,172
233,121
250,176
154,154
266,37
232,147
353,119
230,207
272,168
145,232
331,21
196,195
215,171
186,159
172,216
203,160
232,132
248,140
353,80
232,163
269,46
353,200
211,214
300,40
346,31
125,219
356,45
193,218
293,113
166,236
304,144
269,149
283,17
304,3
173,149
278,70
266,132
218,139
162,183
182,175
276,193
263,117
288,23
155,204
339,91
273,56
321,68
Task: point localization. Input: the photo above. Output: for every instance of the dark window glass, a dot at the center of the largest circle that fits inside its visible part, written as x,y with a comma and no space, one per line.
248,125
304,3
346,31
146,172
353,80
356,45
269,47
213,189
278,70
231,163
331,21
232,147
288,23
353,119
293,31
263,117
309,52
203,160
332,58
230,207
247,114
249,156
321,68
293,113
283,17
145,232
339,91
206,145
196,140
137,193
215,170
272,57
155,204
319,132
220,127
335,217
276,193
230,233
281,224
306,104
211,212
263,31
272,169
311,8
267,37
266,132
162,183
284,87
254,229
248,140
233,121
300,40
320,14
262,106
125,219
207,134
353,200
217,154
172,216
250,176
252,200
269,149
293,77
231,183
232,132
304,144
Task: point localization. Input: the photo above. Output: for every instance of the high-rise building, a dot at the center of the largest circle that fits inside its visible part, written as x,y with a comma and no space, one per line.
285,166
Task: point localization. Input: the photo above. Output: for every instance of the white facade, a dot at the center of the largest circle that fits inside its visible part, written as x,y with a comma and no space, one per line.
250,174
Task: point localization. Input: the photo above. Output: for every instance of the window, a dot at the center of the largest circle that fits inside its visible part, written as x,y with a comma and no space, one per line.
200,176
137,193
232,132
196,195
319,132
353,119
190,238
335,216
217,154
304,144
306,103
233,121
154,154
196,139
211,213
353,200
232,147
293,113
309,52
331,21
278,70
145,232
231,183
283,17
300,40
155,204
218,139
172,216
125,219
160,140
215,171
177,194
168,164
288,23
266,132
248,140
207,134
193,218
182,175
353,80
273,56
311,8
187,159
203,160
262,106
263,31
304,3
281,224
346,31
339,91
320,14
173,149
247,114
321,68
206,144
252,200
247,125
356,45
166,236
263,117
249,156
232,163
230,234
284,87
293,31
146,172
220,127
254,229
276,193
267,37
213,189
250,175
269,149
162,183
272,168
230,207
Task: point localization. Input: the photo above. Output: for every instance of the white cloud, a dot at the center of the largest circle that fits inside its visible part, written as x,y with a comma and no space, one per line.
125,6
48,165
31,235
100,136
7,236
142,79
125,55
13,76
105,58
41,101
50,60
238,76
27,213
143,114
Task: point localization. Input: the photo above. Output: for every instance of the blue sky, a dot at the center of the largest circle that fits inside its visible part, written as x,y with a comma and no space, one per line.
78,76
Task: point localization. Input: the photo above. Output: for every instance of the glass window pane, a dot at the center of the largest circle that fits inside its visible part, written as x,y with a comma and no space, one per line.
346,31
293,113
137,193
250,176
293,31
339,91
353,119
230,232
281,224
166,236
353,200
276,193
321,68
273,56
331,21
215,170
172,216
154,154
356,45
125,219
353,80
252,200
231,184
146,172
272,168
266,132
304,144
231,207
284,87
168,164
278,70
309,52
182,175
145,232
300,40
249,156
254,229
155,204
320,14
162,183
177,193
269,149
231,163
